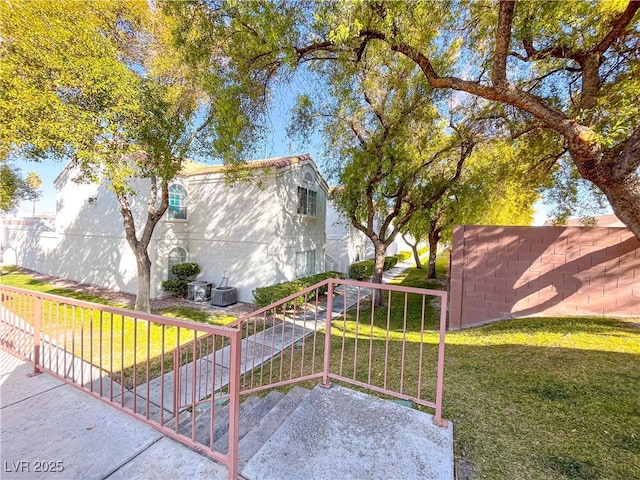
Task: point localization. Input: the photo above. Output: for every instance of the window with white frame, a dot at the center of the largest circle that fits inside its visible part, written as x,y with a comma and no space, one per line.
305,263
176,256
177,202
307,202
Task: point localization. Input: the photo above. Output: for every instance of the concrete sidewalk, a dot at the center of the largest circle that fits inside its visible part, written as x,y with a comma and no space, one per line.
263,346
52,430
399,268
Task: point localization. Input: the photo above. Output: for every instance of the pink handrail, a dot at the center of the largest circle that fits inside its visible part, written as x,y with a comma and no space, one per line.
41,335
278,317
282,345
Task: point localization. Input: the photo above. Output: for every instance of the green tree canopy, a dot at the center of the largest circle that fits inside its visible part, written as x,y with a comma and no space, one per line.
13,187
105,85
566,72
384,134
490,191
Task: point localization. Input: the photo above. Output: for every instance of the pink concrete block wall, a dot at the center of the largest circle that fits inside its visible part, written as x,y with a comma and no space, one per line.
505,272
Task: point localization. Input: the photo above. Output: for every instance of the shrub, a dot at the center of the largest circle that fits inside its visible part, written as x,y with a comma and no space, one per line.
361,270
390,262
179,287
404,255
317,278
364,269
185,273
263,296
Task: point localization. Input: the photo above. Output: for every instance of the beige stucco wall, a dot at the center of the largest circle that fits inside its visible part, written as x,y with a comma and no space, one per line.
250,232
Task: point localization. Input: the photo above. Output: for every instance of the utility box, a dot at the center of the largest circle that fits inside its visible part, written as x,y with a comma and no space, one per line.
199,291
224,296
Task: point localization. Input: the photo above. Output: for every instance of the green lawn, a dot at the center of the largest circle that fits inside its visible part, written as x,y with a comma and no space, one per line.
544,398
11,277
107,340
539,398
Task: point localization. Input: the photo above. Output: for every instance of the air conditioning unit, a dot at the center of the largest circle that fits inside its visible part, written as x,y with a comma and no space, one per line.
224,296
199,291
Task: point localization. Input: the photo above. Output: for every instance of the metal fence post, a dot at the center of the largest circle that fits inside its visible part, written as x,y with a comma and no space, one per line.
440,380
235,359
327,336
37,313
176,381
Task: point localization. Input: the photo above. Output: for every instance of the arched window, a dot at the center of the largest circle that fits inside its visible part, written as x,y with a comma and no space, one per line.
177,202
176,256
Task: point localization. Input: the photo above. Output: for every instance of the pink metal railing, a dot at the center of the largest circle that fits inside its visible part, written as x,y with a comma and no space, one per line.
391,343
282,341
157,369
174,374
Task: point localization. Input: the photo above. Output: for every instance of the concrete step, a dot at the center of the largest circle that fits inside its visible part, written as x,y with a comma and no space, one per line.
249,417
203,421
259,418
339,433
253,440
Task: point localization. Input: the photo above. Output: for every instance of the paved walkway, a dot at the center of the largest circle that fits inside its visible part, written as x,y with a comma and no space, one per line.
52,430
44,419
256,349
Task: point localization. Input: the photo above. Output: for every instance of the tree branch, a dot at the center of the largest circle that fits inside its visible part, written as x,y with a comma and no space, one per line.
502,41
526,130
197,131
618,26
549,115
357,133
559,51
151,204
549,160
327,46
127,220
153,217
528,102
465,151
375,110
534,82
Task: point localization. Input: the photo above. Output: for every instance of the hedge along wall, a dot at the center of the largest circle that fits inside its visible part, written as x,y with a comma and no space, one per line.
504,272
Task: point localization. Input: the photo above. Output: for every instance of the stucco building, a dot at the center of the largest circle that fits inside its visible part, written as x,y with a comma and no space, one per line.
256,233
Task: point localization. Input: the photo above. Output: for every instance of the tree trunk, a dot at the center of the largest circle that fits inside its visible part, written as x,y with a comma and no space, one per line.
615,174
414,249
416,256
378,268
625,202
143,301
140,247
434,238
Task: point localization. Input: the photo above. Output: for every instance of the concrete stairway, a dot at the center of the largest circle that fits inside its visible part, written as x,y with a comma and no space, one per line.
260,417
329,434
